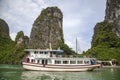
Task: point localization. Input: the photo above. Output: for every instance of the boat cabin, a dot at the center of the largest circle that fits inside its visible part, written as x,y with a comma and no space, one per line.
46,57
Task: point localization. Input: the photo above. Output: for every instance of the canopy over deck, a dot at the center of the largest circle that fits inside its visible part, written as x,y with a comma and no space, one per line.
45,50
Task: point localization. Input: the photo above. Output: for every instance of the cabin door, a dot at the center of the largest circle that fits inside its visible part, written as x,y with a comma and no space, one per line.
44,62
38,61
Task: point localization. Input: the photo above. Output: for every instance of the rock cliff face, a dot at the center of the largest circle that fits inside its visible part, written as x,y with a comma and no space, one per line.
111,22
47,28
106,38
113,14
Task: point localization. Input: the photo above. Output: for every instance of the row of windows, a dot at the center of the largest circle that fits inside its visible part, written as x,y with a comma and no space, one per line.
36,52
42,52
71,62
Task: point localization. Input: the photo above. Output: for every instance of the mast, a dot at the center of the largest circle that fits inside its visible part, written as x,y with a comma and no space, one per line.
76,46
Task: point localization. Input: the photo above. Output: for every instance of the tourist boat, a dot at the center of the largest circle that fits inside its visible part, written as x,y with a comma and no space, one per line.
53,60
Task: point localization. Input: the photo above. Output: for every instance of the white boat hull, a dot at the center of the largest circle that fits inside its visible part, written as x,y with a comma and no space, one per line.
59,68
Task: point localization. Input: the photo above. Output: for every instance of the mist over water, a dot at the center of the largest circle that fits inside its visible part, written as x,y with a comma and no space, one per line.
16,72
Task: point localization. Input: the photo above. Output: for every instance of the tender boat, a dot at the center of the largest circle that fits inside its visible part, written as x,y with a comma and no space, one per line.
53,60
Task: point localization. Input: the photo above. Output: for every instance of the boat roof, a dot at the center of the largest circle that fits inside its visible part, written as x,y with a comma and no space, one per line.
63,58
45,50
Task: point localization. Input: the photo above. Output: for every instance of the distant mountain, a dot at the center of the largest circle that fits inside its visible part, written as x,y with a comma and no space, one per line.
106,38
21,39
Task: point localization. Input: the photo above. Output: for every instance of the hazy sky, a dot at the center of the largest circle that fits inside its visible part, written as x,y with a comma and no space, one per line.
79,17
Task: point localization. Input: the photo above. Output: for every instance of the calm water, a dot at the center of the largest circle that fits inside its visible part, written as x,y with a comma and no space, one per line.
16,72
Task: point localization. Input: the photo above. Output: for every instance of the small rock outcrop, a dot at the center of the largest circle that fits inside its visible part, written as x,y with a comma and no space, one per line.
47,28
21,39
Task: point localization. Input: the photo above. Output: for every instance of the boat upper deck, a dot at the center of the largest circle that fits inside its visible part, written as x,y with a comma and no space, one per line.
44,50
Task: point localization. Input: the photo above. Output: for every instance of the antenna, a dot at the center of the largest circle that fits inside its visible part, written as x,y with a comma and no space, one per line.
77,46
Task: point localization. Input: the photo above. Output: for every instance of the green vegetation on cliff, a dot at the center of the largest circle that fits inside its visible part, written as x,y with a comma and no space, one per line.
66,49
19,47
6,44
47,12
6,50
105,43
104,36
11,52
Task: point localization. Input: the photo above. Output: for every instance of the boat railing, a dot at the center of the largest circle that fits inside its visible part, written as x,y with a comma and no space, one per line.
61,56
41,56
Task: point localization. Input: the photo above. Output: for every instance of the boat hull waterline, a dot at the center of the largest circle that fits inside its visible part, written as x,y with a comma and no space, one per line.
59,68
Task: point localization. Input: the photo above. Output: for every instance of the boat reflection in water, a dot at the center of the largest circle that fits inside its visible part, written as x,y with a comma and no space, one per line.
100,74
36,75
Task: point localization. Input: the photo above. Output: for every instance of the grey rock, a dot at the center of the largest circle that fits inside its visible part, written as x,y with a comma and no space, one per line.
113,14
47,28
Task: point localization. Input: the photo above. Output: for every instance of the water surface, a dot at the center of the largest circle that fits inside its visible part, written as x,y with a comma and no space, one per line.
16,72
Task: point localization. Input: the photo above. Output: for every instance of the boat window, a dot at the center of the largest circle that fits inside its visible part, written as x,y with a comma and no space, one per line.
86,62
92,61
79,62
34,52
57,62
41,52
51,52
32,60
32,56
65,62
49,61
72,62
59,55
45,52
27,52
